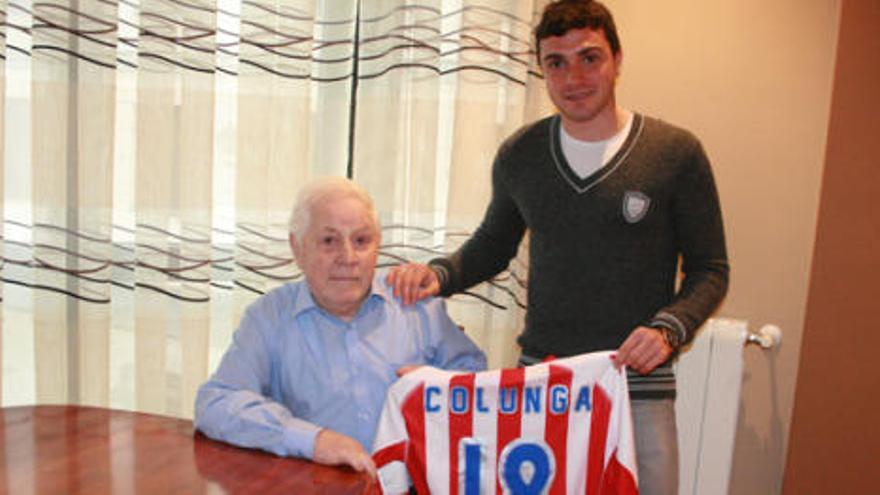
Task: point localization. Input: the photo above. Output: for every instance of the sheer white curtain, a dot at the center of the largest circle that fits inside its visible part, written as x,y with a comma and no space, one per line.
440,85
152,149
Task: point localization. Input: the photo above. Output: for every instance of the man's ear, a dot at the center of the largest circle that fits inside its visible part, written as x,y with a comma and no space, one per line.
294,246
618,62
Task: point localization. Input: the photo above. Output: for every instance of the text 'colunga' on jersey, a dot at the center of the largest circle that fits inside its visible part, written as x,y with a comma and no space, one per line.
560,427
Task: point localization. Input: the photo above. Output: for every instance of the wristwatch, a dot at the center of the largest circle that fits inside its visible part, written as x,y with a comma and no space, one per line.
670,336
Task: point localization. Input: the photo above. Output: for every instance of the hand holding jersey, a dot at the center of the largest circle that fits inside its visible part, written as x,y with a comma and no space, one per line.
643,350
407,368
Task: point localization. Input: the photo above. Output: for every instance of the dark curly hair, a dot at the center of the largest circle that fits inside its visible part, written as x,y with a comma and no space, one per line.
564,15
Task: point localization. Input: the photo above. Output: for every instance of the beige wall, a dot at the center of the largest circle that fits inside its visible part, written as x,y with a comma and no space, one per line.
753,80
835,440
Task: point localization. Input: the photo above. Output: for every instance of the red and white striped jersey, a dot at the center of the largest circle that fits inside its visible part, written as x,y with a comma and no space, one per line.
560,427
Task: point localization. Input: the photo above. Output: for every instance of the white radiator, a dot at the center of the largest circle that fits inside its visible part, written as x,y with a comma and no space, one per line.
709,378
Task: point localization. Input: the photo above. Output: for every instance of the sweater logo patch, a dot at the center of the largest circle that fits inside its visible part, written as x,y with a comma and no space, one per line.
635,206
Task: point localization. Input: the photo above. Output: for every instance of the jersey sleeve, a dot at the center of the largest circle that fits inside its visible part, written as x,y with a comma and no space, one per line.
620,472
391,444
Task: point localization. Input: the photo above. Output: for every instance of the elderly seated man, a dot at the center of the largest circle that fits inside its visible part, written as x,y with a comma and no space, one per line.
308,367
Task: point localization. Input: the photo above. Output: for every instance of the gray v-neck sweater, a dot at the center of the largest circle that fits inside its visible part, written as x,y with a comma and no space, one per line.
604,250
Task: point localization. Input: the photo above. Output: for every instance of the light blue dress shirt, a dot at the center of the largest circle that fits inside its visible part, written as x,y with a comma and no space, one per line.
293,369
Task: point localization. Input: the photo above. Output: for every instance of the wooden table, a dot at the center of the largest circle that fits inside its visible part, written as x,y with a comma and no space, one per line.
74,449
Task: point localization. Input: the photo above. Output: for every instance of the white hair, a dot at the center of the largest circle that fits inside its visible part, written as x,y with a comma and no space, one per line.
318,189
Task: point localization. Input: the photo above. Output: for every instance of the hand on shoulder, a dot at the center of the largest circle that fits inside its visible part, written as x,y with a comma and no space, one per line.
413,282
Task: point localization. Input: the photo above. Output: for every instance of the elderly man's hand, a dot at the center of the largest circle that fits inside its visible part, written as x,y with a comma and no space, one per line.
335,449
407,368
413,282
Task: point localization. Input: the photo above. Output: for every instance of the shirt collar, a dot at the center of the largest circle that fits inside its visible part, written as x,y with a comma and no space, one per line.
303,300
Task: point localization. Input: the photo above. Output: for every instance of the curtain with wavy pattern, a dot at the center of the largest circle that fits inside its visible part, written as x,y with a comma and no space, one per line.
151,151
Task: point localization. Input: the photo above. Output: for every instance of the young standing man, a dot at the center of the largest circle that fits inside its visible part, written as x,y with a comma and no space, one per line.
612,199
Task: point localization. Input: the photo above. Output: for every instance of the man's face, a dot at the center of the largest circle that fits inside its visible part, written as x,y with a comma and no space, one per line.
580,72
337,254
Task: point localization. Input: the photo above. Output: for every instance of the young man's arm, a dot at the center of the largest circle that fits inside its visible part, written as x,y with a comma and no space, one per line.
487,252
700,237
